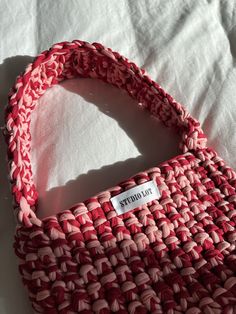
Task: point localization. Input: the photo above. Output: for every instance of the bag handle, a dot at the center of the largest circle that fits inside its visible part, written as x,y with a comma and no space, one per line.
67,60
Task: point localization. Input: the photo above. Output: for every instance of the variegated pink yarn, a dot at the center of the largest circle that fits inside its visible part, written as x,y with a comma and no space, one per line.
175,254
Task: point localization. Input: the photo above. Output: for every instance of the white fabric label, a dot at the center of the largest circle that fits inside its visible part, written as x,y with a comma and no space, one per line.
135,197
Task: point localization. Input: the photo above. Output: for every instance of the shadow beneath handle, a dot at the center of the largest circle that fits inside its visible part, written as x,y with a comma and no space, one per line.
155,143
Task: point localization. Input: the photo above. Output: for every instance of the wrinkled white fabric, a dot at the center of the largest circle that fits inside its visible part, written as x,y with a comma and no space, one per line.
87,135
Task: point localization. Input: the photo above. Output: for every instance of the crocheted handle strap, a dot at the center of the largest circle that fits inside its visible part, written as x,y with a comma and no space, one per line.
80,59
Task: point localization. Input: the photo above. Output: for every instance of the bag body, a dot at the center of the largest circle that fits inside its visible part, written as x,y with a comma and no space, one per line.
126,249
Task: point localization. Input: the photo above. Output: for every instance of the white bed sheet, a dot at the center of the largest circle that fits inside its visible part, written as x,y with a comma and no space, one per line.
87,135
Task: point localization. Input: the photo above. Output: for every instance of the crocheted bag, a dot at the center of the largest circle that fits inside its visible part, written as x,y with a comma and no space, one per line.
162,241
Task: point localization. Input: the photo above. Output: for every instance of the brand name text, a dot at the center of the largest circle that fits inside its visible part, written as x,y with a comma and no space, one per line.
135,197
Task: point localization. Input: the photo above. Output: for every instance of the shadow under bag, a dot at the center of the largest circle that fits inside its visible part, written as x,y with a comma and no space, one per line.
162,241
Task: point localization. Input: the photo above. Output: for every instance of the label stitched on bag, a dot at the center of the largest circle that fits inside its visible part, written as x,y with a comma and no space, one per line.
135,197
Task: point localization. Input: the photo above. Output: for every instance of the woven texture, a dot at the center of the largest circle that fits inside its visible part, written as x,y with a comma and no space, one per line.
173,255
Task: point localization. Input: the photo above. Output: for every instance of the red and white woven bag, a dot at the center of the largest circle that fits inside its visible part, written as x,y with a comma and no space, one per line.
162,241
